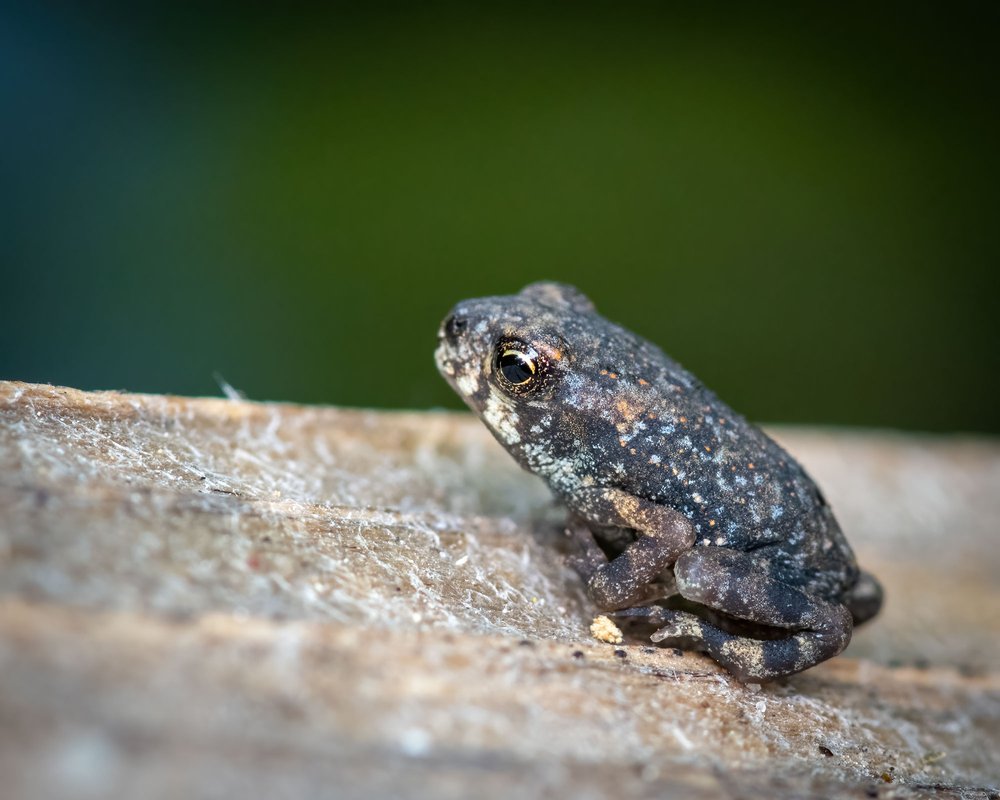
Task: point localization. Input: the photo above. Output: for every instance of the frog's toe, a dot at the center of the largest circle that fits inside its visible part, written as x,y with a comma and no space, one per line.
644,615
581,565
586,557
680,629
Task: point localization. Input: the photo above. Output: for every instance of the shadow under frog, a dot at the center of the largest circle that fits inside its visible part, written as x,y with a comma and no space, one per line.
683,514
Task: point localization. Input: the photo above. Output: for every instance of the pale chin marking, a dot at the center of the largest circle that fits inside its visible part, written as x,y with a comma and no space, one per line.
502,419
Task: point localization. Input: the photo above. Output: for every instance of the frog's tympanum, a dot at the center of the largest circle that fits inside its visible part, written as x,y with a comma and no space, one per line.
684,515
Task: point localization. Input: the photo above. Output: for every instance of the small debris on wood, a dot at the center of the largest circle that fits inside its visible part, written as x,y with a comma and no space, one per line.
604,630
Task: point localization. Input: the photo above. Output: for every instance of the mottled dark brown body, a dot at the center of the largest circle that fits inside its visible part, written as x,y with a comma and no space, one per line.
656,466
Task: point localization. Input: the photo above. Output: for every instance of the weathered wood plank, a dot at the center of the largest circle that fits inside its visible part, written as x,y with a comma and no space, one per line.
200,597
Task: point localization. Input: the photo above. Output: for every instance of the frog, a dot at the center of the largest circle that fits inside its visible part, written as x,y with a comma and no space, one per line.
683,516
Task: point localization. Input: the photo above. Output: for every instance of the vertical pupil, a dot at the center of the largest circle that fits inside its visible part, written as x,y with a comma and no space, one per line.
516,367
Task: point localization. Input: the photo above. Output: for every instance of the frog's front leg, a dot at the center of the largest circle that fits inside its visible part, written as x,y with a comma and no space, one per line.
741,586
663,534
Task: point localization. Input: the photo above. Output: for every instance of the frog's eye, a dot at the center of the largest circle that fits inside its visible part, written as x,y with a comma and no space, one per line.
517,366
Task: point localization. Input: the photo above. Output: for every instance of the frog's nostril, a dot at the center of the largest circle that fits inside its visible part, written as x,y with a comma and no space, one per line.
454,327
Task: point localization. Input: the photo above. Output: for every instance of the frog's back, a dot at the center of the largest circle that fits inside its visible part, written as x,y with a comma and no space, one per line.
740,489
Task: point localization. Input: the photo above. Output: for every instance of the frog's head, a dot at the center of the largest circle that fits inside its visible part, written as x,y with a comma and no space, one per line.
543,370
507,357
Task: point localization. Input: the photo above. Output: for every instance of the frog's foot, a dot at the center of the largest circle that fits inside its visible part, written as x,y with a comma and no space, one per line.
753,660
865,598
683,629
662,535
645,615
738,586
589,561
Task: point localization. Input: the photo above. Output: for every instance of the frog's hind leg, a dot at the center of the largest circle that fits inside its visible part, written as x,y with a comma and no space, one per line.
739,586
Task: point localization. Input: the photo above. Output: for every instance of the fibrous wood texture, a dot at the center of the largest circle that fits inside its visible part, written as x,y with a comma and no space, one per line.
213,598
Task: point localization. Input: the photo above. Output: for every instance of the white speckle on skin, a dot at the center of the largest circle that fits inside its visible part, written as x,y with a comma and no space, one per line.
561,472
443,363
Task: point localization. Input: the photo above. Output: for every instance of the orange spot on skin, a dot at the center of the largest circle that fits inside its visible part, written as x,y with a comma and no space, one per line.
604,372
682,419
628,411
711,523
622,442
708,449
750,465
557,355
613,375
643,382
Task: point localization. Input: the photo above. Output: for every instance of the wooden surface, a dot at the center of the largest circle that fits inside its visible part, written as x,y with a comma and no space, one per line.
210,598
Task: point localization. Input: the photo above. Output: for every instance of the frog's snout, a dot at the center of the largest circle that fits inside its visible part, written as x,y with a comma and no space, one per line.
465,340
451,343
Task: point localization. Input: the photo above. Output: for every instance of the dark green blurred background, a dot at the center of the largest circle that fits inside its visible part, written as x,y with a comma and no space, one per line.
800,206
